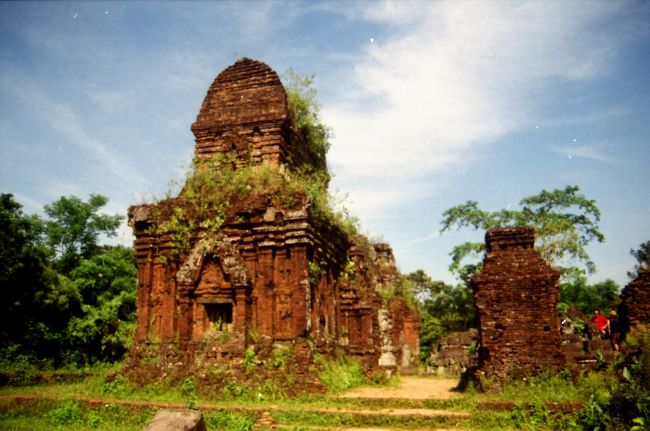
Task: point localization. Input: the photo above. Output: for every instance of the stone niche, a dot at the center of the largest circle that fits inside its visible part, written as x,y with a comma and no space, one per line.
516,295
269,276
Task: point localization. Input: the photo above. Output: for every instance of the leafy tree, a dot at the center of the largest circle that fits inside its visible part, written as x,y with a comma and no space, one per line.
565,223
443,308
642,256
452,305
603,296
78,317
106,284
301,98
431,330
74,227
23,271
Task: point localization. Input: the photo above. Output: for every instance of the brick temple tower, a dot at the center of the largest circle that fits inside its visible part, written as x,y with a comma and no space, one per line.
272,274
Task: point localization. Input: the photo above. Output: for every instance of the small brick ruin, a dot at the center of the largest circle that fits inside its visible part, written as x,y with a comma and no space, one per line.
272,277
581,344
635,302
455,353
516,295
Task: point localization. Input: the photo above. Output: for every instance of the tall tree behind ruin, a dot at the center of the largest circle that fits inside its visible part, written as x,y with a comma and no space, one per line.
79,316
565,222
74,227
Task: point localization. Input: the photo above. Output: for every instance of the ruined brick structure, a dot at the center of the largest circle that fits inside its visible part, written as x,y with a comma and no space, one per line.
635,301
516,295
271,274
455,353
581,344
245,111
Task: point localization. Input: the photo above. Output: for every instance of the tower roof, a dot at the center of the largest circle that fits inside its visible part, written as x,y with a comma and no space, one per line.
247,92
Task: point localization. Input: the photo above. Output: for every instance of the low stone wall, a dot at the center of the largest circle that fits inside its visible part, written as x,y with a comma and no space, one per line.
455,353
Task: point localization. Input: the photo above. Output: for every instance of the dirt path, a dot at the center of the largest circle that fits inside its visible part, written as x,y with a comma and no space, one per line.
409,387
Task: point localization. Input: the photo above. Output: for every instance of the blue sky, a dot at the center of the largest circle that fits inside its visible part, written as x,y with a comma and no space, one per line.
431,103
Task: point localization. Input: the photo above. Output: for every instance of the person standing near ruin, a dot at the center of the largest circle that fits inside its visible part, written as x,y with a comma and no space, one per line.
601,322
614,330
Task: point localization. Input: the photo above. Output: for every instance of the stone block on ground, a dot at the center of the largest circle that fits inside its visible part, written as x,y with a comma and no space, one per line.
177,420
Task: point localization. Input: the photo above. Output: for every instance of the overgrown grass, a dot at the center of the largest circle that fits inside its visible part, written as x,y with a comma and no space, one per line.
544,402
340,373
549,388
225,420
347,419
71,415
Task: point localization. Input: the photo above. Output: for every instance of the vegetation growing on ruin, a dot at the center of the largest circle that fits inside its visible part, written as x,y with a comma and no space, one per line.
403,289
217,188
301,98
340,372
214,187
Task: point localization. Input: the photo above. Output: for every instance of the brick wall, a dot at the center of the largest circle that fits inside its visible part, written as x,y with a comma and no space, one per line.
516,295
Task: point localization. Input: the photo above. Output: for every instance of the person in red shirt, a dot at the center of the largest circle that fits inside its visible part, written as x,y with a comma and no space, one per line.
601,322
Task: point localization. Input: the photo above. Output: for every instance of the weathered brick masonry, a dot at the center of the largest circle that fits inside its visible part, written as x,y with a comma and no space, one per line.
269,275
635,301
516,295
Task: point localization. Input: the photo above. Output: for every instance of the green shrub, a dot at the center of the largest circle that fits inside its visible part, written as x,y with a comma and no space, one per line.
626,405
66,413
250,359
188,388
93,420
340,373
116,385
223,420
19,371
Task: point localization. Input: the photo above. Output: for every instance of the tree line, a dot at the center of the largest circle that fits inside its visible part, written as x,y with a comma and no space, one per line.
66,299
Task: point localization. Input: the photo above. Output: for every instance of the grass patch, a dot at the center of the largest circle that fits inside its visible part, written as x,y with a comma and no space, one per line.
547,388
224,420
545,402
347,419
71,415
340,373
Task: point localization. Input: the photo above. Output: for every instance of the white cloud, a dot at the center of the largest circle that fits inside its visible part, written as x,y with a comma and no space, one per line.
590,152
108,101
452,78
61,118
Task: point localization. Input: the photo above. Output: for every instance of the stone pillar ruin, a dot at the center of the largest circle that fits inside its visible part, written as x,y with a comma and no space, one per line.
516,295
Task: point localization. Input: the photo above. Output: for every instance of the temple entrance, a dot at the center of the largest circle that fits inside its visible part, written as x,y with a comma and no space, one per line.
219,316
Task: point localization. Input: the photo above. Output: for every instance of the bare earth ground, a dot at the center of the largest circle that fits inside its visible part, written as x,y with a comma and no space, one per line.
409,387
412,388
